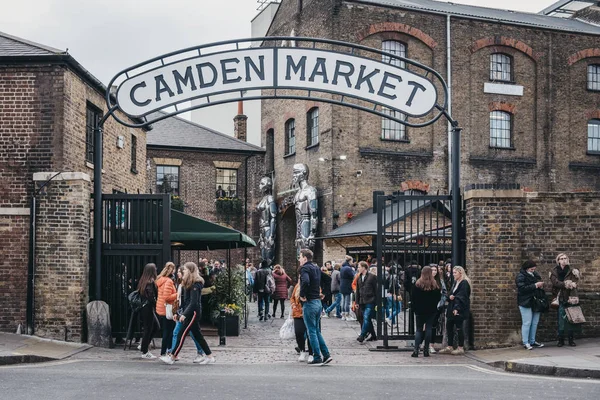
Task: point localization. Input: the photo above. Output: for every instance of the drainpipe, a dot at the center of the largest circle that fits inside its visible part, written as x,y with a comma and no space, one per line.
449,82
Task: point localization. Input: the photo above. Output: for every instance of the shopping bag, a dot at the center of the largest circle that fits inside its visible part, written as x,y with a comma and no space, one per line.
287,329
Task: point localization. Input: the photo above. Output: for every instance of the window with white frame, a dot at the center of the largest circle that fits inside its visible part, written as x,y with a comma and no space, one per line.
312,127
593,77
167,179
290,137
501,67
593,136
226,182
500,129
390,129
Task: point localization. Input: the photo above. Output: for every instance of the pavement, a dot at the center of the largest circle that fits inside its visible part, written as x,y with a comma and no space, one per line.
259,343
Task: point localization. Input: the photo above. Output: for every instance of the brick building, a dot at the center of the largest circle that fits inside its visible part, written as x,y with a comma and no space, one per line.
524,88
195,163
49,104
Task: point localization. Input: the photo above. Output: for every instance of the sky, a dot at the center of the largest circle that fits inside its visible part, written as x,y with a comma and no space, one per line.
110,35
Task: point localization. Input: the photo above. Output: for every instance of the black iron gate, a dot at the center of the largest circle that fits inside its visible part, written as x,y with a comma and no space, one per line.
135,231
413,231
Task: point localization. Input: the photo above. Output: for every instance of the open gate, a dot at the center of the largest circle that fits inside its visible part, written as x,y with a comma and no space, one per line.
413,231
135,231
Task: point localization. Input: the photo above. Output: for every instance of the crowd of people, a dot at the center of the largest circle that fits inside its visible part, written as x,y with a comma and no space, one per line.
438,294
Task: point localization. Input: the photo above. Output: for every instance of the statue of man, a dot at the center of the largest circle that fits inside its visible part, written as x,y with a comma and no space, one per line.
268,217
305,202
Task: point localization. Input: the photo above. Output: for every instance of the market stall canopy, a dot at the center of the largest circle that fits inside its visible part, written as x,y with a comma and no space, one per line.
193,233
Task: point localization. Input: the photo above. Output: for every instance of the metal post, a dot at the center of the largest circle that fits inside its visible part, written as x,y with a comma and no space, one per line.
222,328
455,191
98,210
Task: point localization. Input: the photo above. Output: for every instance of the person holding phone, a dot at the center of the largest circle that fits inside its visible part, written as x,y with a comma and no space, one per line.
459,308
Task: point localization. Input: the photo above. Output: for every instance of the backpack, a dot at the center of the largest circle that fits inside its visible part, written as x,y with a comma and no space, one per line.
270,284
135,301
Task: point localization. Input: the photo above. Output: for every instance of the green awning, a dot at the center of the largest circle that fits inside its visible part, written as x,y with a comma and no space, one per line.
197,234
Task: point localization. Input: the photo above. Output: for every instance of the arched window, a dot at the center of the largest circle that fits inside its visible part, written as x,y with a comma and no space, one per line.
393,130
290,137
312,127
501,67
396,48
593,77
500,129
593,136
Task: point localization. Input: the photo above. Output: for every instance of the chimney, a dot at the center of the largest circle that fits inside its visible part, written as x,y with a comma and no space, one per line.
376,193
240,122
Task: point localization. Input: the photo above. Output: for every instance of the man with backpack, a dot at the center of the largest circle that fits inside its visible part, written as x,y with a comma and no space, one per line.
264,286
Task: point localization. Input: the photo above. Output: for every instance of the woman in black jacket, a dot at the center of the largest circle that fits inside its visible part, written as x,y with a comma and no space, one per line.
148,292
190,315
528,283
426,295
459,308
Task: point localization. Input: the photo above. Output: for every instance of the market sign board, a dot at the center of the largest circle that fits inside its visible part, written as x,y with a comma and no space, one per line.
386,86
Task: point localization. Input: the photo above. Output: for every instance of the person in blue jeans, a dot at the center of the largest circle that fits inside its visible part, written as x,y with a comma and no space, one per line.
366,290
346,278
393,298
335,291
310,296
528,283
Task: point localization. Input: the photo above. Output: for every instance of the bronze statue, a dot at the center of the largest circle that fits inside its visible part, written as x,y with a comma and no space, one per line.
305,202
268,219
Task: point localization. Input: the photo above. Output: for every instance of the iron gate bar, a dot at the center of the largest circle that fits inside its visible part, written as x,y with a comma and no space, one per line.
351,46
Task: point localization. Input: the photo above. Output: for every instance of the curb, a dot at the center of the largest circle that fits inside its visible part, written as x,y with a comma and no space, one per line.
523,368
24,359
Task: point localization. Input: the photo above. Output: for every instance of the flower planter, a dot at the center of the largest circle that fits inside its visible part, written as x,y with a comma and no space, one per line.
232,325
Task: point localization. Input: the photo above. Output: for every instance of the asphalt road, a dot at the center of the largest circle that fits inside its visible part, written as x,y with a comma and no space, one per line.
89,380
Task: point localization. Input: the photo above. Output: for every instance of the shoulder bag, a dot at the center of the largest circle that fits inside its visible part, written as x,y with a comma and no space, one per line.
575,315
540,302
556,301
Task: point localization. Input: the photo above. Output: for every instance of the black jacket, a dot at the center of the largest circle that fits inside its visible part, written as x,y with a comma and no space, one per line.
150,294
326,284
526,287
260,279
346,278
461,302
410,277
366,291
310,281
191,300
424,302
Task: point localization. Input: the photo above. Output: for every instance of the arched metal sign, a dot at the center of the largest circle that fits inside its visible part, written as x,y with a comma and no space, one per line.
319,69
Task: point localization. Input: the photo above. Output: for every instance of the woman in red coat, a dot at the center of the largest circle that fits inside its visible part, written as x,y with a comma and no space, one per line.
282,282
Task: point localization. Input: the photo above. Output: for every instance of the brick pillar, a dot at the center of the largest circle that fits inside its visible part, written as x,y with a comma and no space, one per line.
62,270
240,122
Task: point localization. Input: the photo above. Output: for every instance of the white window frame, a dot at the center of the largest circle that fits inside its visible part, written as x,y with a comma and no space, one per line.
501,67
501,130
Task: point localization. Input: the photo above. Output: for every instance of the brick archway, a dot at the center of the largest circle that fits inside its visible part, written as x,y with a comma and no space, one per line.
502,106
415,185
580,55
507,42
396,27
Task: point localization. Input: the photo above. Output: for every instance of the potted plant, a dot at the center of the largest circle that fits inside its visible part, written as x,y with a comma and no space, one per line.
232,319
229,295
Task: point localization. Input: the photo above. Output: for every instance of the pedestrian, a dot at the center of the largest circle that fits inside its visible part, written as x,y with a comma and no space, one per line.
310,295
529,283
346,278
299,326
426,295
458,310
178,325
192,284
280,295
439,323
564,286
148,292
167,295
366,293
264,286
393,296
329,266
335,291
325,289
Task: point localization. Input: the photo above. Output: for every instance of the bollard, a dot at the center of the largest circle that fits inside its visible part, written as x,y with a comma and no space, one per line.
222,328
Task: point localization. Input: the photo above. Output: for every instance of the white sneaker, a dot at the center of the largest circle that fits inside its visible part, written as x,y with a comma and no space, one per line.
148,356
528,346
139,347
199,358
310,359
167,359
343,317
208,360
431,350
303,356
350,319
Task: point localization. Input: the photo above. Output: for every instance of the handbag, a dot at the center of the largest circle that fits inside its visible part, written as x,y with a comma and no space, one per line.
575,315
287,332
555,302
540,302
169,308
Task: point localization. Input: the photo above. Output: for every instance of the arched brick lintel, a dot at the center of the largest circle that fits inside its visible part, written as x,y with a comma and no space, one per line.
593,114
396,27
581,54
505,41
502,106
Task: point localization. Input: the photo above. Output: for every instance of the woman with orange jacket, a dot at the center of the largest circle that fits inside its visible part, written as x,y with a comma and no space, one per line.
167,294
299,326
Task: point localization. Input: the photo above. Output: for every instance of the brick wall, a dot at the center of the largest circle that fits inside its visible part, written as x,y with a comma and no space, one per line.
61,287
505,228
14,236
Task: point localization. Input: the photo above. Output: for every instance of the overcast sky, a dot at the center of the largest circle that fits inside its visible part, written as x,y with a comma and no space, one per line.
110,35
